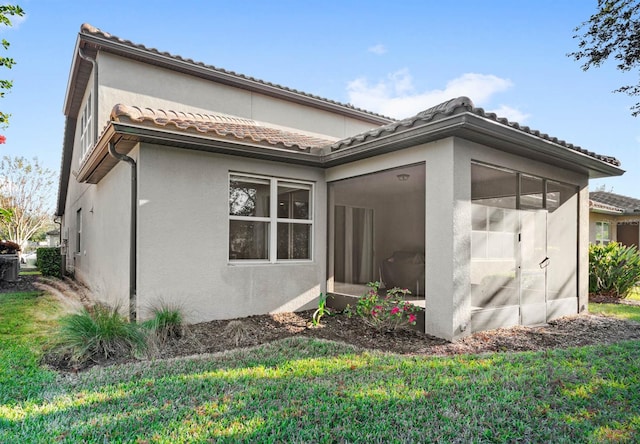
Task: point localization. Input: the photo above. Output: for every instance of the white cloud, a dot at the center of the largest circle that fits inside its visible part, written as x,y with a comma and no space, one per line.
378,49
396,95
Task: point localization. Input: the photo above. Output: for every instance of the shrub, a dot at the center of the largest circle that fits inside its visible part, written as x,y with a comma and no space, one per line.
48,261
614,269
391,312
321,311
98,333
167,322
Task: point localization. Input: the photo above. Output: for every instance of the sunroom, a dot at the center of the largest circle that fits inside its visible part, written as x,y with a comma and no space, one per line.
483,221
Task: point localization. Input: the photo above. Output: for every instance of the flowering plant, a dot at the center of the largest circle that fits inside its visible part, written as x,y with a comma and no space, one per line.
391,312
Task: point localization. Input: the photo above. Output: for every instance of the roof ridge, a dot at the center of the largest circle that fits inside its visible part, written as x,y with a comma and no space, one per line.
89,29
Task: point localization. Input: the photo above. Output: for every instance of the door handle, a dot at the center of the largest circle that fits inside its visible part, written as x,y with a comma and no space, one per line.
544,263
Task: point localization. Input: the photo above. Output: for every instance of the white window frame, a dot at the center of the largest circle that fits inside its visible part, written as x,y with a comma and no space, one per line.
273,219
599,230
86,127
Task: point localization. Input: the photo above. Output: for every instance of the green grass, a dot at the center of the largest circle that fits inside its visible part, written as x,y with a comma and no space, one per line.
25,321
628,312
622,311
307,390
30,273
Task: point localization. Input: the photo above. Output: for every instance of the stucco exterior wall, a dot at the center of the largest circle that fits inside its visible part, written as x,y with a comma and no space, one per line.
133,83
103,260
183,239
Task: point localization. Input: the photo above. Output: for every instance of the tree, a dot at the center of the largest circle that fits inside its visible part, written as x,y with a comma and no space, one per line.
613,31
25,198
7,11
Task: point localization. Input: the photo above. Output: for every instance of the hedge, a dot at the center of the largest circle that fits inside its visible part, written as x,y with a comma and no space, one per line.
48,261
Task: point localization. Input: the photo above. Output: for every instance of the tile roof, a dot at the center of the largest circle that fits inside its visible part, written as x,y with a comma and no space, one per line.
88,29
623,203
221,125
457,106
595,205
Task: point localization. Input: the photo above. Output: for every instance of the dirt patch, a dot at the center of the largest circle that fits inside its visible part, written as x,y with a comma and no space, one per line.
23,284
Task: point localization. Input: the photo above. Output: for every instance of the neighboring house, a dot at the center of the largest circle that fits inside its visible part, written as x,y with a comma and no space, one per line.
613,218
231,196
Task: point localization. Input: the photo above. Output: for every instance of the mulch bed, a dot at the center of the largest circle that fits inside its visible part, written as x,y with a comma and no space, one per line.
218,336
580,330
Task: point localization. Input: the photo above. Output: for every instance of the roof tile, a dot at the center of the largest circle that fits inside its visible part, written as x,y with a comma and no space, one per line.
455,106
623,203
222,125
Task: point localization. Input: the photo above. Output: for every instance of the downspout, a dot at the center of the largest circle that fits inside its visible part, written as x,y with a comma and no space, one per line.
133,250
94,63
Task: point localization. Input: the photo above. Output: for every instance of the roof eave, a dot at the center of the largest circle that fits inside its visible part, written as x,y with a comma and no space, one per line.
513,140
99,163
65,164
478,129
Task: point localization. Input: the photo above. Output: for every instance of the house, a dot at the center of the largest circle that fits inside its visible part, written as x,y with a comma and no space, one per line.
231,196
613,218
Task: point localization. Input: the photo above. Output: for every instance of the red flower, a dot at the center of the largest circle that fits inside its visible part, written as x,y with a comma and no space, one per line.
395,310
3,139
412,318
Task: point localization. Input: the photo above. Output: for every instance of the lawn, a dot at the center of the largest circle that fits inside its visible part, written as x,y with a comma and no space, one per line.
308,390
629,312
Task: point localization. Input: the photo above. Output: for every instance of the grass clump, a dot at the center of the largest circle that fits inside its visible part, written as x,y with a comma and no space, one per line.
167,322
97,334
239,331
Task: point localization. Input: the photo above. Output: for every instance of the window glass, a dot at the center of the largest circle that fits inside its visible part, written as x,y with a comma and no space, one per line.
249,196
293,201
266,227
603,235
248,239
294,241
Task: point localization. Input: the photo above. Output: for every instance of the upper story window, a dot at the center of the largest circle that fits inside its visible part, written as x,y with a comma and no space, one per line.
79,231
603,233
86,127
270,219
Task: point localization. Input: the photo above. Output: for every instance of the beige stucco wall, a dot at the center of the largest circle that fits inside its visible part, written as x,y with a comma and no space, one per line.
103,261
134,83
183,239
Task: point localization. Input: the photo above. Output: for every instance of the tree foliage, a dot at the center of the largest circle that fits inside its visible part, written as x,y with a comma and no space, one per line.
613,31
7,11
25,198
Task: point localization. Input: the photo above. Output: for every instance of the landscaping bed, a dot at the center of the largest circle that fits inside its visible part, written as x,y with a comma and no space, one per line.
211,337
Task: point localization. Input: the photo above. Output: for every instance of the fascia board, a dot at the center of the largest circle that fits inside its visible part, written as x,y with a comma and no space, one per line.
482,130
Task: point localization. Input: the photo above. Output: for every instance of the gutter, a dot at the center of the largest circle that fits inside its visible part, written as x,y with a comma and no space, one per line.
133,244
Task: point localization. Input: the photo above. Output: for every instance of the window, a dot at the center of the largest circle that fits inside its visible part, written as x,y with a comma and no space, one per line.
86,128
269,229
79,231
603,233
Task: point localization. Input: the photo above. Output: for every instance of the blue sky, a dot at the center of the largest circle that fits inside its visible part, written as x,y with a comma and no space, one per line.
395,58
